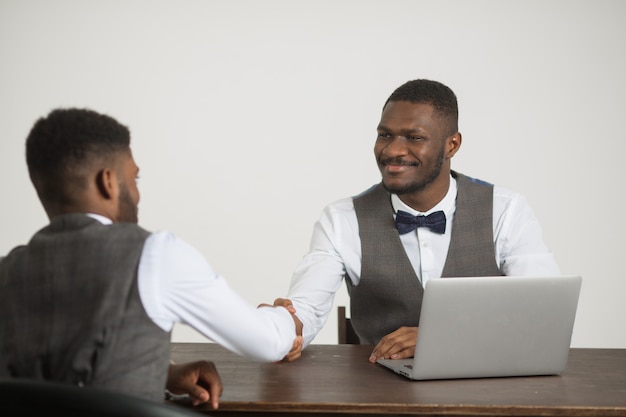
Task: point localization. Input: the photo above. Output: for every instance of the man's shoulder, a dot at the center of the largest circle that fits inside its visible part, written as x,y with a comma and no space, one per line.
339,212
506,198
501,193
344,205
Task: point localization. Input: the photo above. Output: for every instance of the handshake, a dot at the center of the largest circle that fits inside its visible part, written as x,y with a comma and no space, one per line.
298,343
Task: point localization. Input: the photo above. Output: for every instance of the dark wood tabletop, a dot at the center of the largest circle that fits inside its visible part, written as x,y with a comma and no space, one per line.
335,380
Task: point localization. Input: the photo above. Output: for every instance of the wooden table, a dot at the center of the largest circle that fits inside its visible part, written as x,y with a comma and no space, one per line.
334,380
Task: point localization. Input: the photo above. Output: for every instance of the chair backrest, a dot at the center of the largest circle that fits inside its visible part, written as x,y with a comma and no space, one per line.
23,397
345,332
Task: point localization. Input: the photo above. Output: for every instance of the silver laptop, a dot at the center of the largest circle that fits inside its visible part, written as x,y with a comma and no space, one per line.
493,327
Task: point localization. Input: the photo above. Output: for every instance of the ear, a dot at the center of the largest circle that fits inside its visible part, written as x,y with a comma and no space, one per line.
453,143
107,185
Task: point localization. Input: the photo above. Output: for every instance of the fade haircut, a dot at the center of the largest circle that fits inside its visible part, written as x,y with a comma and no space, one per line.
438,95
64,146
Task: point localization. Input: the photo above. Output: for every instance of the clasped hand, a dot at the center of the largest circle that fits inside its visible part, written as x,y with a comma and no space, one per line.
298,343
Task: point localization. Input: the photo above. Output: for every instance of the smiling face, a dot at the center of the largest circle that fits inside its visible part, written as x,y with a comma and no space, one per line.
413,150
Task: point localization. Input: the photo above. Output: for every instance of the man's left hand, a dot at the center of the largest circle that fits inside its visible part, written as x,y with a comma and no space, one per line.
198,379
399,344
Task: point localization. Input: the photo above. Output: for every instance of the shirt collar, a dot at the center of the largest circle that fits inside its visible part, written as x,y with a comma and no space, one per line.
447,203
100,218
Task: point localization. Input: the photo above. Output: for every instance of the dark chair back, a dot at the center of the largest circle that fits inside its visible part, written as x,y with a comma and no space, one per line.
23,397
345,332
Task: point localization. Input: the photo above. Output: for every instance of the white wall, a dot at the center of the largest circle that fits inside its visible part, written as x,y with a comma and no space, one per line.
249,116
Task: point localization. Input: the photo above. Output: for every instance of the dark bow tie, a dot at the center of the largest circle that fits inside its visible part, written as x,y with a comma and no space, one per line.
406,222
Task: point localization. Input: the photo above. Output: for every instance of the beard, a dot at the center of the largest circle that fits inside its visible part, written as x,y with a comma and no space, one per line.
419,185
127,208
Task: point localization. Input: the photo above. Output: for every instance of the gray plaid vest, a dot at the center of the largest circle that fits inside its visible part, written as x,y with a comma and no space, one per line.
70,310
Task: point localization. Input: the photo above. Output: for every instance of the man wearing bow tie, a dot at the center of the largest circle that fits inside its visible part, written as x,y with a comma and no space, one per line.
423,221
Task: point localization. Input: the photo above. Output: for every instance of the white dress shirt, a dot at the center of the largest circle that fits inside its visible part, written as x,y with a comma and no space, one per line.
177,285
336,250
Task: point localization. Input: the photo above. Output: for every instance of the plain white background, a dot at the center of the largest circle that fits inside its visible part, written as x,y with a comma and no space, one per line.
248,117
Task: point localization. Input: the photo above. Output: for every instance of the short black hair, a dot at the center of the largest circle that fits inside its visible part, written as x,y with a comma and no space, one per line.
438,95
63,144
